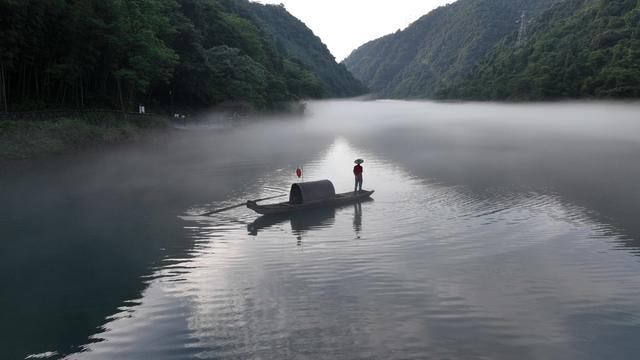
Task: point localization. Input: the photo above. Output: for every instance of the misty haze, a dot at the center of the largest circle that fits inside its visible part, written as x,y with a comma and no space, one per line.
501,230
319,179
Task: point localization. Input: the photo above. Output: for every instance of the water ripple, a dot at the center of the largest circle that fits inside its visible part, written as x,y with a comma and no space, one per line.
423,271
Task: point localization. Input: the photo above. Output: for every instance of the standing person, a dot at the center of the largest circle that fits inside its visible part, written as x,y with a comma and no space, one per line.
357,171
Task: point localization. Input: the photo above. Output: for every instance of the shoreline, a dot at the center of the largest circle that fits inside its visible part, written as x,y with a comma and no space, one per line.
37,134
25,139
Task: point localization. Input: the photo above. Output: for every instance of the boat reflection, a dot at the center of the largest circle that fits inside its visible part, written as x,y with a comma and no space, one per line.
306,221
301,222
357,218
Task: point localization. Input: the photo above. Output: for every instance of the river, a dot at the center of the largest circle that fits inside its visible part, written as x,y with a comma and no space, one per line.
497,231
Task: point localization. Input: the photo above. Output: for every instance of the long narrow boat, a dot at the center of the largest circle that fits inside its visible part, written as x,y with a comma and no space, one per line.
310,195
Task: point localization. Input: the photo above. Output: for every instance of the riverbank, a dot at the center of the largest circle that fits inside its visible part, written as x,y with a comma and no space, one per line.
22,139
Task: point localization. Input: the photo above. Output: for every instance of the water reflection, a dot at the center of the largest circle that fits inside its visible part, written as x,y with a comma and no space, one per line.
487,239
301,222
84,234
357,218
310,220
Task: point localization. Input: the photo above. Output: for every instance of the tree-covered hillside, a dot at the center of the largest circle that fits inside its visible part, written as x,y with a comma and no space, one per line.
439,48
296,41
117,53
578,49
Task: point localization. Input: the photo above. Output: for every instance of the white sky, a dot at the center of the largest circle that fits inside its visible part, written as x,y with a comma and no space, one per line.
343,25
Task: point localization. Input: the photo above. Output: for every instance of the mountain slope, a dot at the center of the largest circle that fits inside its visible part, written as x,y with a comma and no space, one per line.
296,41
187,53
439,48
579,48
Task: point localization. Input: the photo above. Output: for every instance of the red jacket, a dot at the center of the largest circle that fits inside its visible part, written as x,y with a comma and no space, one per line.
357,170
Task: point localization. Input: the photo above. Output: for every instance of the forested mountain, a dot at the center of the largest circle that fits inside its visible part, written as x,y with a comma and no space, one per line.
294,39
115,53
439,48
578,49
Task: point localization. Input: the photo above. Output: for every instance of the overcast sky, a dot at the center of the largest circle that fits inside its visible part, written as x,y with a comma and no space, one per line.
343,25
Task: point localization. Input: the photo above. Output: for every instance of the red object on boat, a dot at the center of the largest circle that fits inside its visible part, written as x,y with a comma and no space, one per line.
298,172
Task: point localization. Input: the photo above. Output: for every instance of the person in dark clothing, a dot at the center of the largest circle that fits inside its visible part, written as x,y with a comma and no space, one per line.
357,171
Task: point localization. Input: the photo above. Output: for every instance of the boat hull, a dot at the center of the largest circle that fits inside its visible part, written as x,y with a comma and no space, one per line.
286,207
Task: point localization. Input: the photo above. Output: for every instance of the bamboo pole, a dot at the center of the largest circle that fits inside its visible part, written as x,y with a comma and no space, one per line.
240,204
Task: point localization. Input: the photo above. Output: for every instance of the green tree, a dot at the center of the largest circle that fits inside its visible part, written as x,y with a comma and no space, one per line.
141,56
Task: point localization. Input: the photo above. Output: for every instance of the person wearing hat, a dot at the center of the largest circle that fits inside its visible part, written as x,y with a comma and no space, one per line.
357,171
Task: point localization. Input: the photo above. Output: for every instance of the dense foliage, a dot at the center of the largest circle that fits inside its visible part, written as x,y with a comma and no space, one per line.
294,39
577,49
117,53
439,48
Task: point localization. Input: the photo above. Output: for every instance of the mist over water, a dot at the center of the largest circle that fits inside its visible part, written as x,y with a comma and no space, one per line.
496,231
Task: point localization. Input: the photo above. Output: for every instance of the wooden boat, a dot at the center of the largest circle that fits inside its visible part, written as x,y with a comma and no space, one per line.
310,195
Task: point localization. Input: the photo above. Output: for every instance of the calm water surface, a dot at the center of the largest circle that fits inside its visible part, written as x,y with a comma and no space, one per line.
496,232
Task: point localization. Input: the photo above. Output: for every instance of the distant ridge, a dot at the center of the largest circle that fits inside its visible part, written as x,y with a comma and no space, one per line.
440,48
296,41
577,49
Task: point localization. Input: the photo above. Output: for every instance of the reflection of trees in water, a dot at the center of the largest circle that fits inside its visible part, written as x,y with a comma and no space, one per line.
89,247
113,267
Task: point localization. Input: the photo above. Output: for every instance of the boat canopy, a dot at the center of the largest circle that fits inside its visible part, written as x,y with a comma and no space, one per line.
311,191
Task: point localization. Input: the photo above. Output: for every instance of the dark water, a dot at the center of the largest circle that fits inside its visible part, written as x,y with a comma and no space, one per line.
496,232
